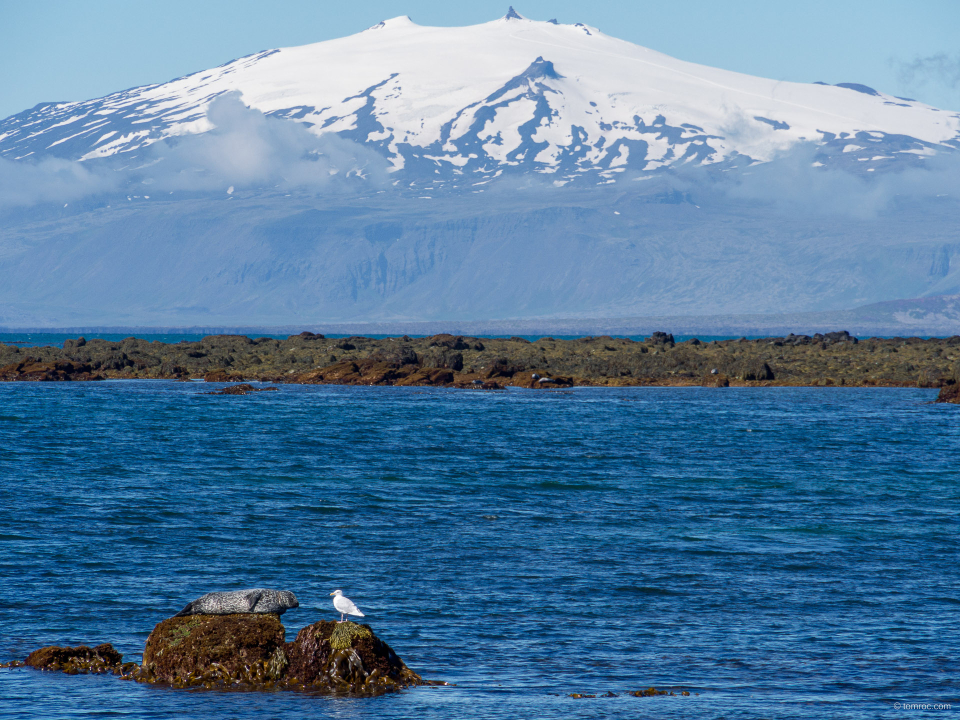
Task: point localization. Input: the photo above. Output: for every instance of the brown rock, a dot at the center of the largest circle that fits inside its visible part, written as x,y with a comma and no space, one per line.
949,394
502,367
74,660
247,651
443,358
346,657
397,357
716,381
241,389
428,376
219,375
538,381
220,649
369,371
31,370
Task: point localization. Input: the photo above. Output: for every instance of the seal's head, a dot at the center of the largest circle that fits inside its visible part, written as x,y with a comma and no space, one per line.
287,600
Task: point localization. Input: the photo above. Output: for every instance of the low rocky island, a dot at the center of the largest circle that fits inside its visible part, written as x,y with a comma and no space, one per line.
246,652
831,359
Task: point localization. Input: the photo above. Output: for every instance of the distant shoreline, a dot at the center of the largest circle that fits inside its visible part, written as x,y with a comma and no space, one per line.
832,359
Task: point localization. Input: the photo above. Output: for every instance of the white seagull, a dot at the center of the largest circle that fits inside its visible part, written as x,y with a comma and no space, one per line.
344,605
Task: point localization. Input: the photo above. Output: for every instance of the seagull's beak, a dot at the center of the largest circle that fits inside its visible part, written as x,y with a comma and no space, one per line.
333,593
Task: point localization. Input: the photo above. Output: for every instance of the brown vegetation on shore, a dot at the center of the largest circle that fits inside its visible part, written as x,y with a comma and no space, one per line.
835,359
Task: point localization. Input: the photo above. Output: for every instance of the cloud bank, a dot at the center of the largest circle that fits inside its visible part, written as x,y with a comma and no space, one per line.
797,185
248,150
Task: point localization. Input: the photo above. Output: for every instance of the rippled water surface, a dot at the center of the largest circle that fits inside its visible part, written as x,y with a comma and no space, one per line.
781,552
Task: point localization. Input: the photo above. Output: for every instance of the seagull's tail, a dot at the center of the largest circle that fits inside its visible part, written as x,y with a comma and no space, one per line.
358,614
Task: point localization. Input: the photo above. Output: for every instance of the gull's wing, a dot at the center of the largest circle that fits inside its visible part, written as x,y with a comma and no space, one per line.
345,605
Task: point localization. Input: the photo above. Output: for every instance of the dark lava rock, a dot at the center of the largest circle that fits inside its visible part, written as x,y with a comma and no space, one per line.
398,357
345,657
427,376
949,394
247,651
836,357
244,649
535,381
219,375
443,358
662,338
651,692
454,343
502,367
354,372
373,371
839,337
75,660
241,389
757,371
30,369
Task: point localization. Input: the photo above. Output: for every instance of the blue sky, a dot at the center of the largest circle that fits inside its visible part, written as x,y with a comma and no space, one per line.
72,50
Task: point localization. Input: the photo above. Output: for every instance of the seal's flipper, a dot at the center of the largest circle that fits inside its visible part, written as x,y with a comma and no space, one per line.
253,598
188,610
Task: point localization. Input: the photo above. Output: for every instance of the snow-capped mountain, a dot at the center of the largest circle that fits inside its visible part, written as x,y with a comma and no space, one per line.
508,95
218,198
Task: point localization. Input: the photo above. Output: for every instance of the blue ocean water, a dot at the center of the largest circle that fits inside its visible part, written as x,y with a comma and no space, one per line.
780,553
40,339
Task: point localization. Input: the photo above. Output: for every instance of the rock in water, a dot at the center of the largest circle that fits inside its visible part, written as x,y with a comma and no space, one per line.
245,651
949,394
75,660
257,600
345,657
215,649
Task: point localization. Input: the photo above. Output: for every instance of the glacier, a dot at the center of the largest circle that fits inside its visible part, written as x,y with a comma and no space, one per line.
512,94
513,169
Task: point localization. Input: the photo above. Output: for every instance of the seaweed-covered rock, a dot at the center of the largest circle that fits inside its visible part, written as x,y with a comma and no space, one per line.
659,360
442,357
757,370
76,660
345,657
215,649
241,389
31,369
247,651
395,356
949,394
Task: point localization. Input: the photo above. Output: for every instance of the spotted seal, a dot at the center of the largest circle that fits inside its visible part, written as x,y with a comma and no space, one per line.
256,600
